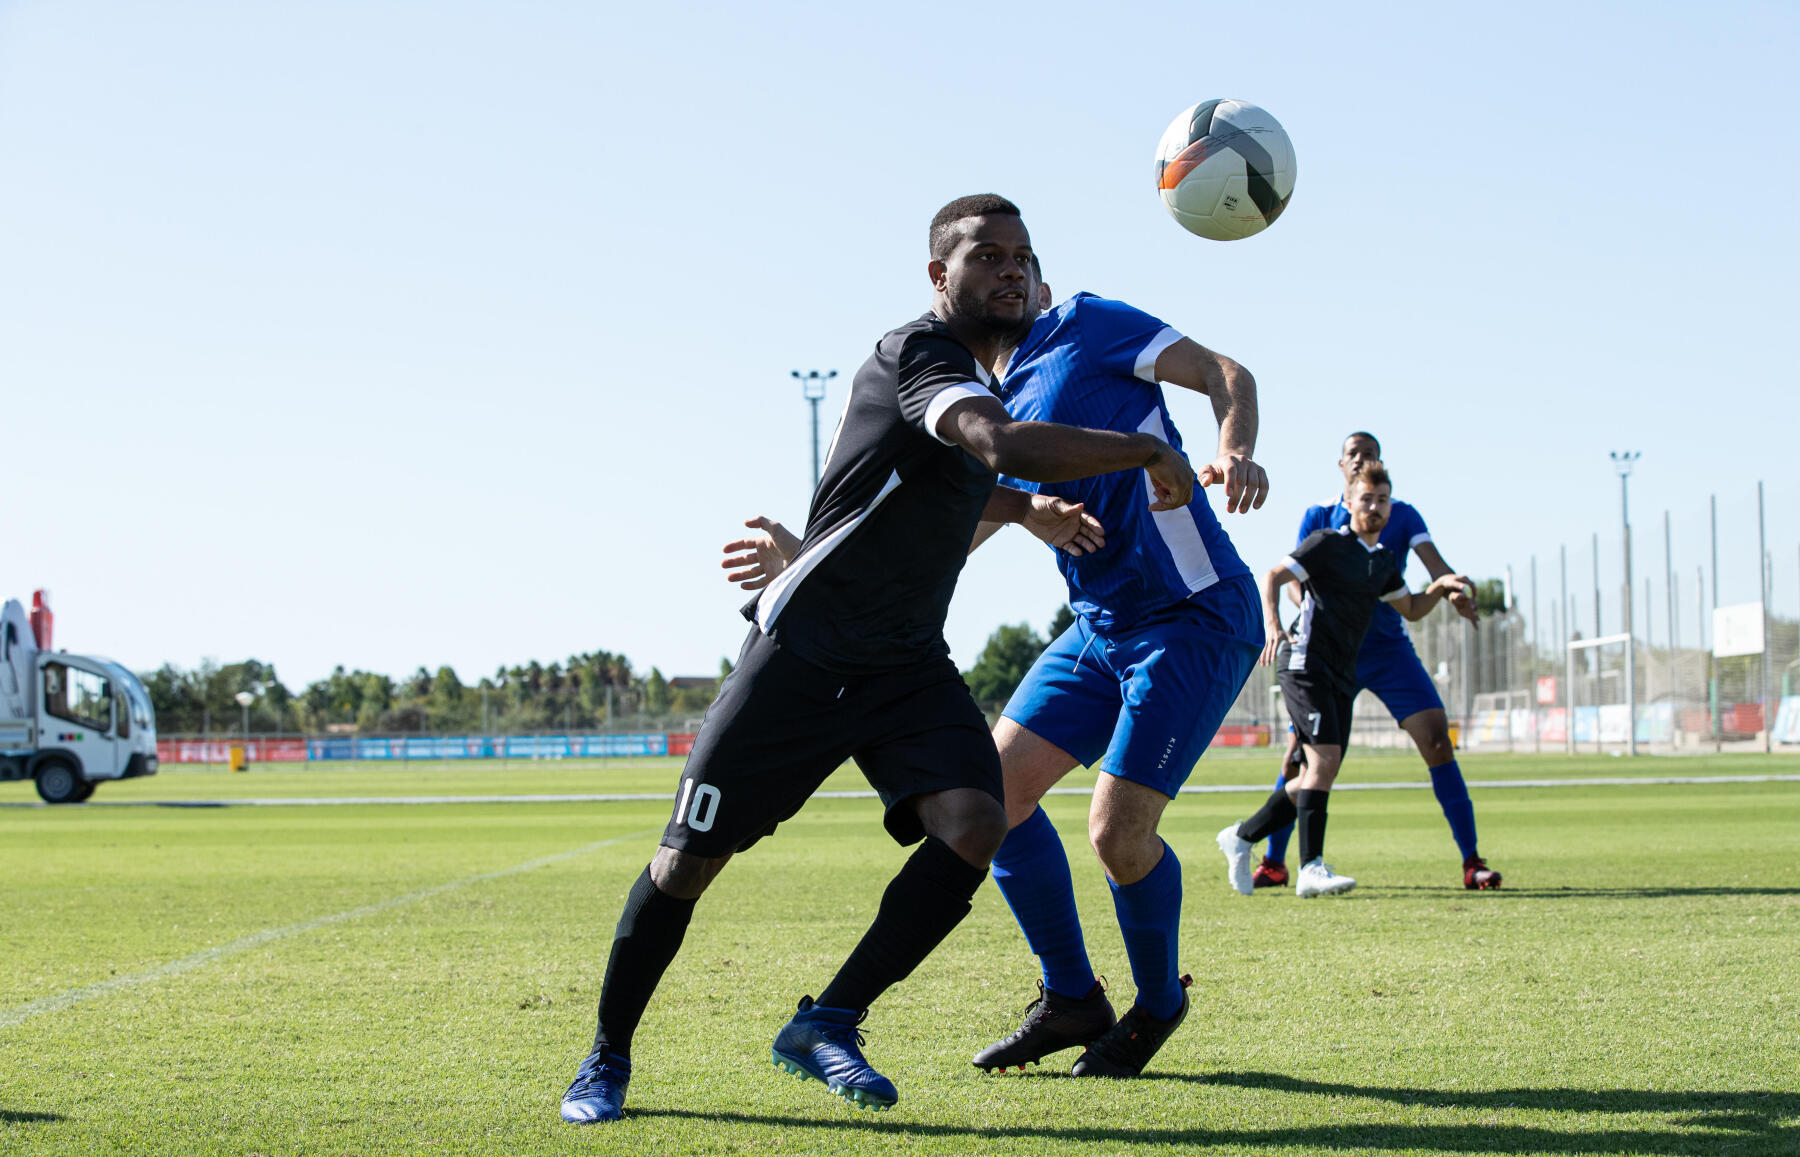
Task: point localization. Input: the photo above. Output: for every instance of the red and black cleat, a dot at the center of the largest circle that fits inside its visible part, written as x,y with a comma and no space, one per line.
1477,876
1269,874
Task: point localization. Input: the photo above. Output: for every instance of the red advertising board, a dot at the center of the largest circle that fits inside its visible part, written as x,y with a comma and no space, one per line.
219,750
1546,690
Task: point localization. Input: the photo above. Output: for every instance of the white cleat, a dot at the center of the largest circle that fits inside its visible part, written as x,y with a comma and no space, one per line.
1317,879
1237,860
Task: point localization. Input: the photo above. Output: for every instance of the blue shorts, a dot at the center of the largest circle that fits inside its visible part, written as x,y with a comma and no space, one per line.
1150,697
1391,669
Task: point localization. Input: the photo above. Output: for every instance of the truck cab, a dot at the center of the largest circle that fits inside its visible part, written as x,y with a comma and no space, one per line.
67,722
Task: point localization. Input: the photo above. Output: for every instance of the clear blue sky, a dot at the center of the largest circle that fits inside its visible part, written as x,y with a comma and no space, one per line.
400,334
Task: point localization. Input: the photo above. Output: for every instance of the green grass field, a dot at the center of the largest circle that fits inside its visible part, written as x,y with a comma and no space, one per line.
376,978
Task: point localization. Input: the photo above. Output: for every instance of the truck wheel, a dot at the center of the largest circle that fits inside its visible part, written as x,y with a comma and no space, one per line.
57,782
87,791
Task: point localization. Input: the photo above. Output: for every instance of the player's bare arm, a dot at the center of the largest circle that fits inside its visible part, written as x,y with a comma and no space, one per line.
1047,452
1274,633
1462,600
1065,525
1231,387
1415,605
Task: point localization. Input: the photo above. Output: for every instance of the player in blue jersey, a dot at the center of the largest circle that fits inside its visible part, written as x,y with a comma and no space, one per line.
1388,666
1168,627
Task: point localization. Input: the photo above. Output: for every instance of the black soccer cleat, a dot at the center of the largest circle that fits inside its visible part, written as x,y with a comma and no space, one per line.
1128,1046
1053,1022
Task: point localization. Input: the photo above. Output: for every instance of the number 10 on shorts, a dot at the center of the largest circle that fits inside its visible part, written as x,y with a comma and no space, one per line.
704,806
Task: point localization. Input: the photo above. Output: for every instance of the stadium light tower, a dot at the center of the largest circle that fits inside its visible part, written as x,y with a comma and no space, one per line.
1622,461
244,699
812,387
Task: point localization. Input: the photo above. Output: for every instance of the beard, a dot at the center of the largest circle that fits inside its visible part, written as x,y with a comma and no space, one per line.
973,310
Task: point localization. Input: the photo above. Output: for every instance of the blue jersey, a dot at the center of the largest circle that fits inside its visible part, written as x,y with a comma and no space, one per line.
1405,530
1091,362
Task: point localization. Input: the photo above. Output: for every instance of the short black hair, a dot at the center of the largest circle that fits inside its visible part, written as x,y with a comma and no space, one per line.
943,226
1354,434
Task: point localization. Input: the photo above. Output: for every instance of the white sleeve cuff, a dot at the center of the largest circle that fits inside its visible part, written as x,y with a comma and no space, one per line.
1146,359
1394,595
943,400
1415,540
1299,571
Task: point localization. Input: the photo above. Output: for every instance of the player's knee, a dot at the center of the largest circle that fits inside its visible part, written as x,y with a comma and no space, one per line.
682,874
972,823
1436,747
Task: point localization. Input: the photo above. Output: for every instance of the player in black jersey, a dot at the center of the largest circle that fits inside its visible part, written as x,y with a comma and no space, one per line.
847,658
1344,573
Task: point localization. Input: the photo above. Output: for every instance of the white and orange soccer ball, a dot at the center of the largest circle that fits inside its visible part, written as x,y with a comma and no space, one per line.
1225,169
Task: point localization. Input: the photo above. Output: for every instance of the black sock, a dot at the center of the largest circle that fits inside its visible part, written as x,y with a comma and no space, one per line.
928,898
1309,808
1277,812
644,944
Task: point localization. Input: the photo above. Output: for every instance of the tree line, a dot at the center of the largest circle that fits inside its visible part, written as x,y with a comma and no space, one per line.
585,692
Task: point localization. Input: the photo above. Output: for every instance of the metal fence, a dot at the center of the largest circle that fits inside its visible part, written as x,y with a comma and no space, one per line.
1515,685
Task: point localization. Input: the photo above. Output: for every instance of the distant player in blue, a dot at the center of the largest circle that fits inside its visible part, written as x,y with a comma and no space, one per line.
1167,629
1168,626
1388,666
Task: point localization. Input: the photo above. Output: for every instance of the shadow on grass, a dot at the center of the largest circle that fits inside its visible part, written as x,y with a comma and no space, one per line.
1705,1121
1500,895
15,1117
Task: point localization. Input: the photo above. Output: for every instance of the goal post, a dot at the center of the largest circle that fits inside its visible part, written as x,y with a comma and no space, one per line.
1630,691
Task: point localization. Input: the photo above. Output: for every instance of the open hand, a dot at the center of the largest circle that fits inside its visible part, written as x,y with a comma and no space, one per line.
762,555
1246,483
1276,634
1065,525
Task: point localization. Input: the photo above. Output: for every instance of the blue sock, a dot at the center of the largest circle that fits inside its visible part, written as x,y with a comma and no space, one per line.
1032,871
1149,914
1453,796
1278,841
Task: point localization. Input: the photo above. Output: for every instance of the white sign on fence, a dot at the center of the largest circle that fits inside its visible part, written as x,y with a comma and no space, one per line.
1738,630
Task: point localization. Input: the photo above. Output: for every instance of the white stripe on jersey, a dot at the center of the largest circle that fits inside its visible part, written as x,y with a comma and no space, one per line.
1180,533
1294,566
775,596
1300,634
1146,359
943,400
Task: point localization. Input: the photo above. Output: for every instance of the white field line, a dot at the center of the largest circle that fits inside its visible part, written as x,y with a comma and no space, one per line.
666,797
61,1000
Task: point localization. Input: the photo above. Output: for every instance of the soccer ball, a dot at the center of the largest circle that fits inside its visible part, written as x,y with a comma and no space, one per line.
1225,169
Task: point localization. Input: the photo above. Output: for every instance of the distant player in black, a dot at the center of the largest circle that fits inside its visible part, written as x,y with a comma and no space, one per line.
847,658
1343,573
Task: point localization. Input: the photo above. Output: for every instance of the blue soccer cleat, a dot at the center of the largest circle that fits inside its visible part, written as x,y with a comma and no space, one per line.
598,1092
823,1043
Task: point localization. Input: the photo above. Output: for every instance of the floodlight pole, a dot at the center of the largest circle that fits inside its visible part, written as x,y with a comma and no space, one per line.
812,388
1622,462
1712,669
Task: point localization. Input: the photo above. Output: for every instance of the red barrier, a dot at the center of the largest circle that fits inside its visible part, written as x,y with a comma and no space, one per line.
1238,735
681,744
219,750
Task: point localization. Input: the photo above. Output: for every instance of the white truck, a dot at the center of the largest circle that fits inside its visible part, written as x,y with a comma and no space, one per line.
67,721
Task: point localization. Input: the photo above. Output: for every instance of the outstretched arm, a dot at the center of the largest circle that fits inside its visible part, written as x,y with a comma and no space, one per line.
1454,587
1435,566
1048,452
1192,366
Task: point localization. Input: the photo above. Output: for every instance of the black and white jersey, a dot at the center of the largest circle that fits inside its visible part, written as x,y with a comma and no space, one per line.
1343,578
891,522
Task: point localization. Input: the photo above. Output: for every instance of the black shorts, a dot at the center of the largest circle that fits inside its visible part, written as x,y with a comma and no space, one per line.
781,725
1320,711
